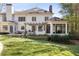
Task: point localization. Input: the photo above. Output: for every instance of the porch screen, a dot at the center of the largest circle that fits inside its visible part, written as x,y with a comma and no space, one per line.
58,28
48,28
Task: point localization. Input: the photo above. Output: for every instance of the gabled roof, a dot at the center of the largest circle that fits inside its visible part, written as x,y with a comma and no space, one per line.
36,9
33,10
56,19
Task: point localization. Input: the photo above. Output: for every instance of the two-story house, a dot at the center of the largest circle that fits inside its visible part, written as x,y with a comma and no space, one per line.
35,21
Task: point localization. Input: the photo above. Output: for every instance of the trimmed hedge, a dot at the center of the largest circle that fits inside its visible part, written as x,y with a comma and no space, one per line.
63,39
60,39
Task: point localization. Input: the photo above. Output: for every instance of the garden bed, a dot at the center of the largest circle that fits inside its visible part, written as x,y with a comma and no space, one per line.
74,41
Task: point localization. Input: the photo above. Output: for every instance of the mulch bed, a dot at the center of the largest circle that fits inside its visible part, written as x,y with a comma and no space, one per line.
75,41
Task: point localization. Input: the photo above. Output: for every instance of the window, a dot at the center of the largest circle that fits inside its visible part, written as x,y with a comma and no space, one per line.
46,18
22,28
33,18
5,27
40,28
21,18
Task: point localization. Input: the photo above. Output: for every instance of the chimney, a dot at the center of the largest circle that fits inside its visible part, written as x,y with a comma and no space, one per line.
50,8
9,12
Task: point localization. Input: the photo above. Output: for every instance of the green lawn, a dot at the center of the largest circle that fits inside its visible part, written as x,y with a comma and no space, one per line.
16,46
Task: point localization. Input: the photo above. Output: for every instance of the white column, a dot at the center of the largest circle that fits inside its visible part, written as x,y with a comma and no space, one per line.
51,29
36,31
14,29
8,28
44,28
16,26
66,28
1,28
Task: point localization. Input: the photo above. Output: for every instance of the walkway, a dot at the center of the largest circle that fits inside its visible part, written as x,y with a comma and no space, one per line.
1,48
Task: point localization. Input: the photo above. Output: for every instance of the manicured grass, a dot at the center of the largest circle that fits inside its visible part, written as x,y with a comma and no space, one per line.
18,46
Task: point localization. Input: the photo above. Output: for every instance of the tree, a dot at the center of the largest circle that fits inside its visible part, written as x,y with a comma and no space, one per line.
71,14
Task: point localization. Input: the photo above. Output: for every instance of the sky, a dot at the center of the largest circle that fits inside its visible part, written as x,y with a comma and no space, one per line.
24,6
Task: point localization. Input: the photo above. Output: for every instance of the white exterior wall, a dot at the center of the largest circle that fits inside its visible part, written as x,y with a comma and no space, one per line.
39,19
22,24
0,18
1,29
40,32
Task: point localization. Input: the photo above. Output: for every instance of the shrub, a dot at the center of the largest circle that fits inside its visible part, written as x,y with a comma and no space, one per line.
59,39
63,39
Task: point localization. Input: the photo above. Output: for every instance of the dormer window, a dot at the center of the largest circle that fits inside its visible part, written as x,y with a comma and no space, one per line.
33,18
46,18
21,19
